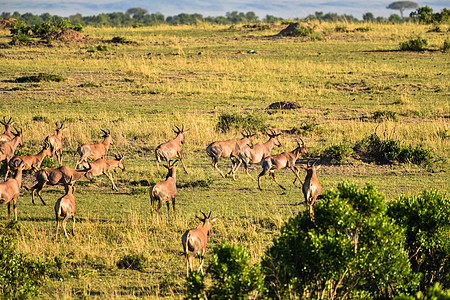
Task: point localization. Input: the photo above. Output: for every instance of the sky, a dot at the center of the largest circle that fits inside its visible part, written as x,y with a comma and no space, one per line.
279,8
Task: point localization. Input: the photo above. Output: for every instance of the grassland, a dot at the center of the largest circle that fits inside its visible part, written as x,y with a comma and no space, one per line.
191,75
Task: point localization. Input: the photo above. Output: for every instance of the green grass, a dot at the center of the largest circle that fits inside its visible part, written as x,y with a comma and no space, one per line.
192,75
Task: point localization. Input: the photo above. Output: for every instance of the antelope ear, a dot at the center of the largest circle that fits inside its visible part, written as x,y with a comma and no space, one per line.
213,219
318,167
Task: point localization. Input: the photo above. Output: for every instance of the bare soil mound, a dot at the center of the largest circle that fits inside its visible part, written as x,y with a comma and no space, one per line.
284,105
68,35
7,23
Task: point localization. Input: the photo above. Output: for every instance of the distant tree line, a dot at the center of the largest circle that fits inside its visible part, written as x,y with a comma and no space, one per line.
141,17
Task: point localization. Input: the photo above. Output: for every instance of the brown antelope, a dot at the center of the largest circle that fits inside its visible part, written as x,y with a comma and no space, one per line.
164,191
32,162
172,148
311,186
56,177
104,166
65,207
56,143
281,161
195,240
95,151
258,153
229,148
10,190
8,148
7,135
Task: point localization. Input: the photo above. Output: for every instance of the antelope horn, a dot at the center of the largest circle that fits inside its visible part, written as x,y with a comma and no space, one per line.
209,214
203,214
182,127
303,143
178,129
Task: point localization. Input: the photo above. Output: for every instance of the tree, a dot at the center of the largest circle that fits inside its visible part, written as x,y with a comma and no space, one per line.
423,14
368,16
402,5
351,249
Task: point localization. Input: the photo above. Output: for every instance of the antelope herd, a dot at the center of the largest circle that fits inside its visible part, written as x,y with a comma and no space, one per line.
93,162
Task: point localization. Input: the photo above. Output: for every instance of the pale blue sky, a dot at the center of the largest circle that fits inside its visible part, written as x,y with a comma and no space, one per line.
282,8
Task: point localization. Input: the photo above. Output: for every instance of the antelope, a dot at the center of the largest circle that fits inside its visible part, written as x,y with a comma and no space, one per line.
281,161
164,191
10,190
32,162
56,177
311,186
258,153
95,151
8,148
104,166
7,135
172,148
195,240
229,148
65,207
56,143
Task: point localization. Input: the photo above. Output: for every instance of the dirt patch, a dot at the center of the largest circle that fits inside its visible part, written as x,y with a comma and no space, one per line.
284,105
68,35
292,29
7,23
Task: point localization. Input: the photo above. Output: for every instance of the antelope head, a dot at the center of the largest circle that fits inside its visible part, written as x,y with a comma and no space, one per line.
302,147
19,136
207,221
247,134
107,134
274,136
180,132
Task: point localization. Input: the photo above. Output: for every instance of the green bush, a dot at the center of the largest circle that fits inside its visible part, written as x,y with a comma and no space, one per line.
338,153
39,78
20,276
195,286
391,150
233,120
233,276
426,220
435,292
446,46
120,40
417,44
385,114
351,248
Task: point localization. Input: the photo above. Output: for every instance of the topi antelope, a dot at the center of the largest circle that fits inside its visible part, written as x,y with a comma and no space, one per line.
32,162
10,190
95,151
195,240
56,143
56,177
258,153
65,207
104,166
281,161
311,186
229,148
164,191
7,135
8,148
172,148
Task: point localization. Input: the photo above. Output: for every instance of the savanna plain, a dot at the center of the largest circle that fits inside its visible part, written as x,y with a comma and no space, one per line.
191,75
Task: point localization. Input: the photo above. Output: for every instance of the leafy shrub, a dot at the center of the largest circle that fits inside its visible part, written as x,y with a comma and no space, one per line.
120,40
39,118
101,48
434,292
350,249
20,276
199,183
195,286
417,44
133,262
446,46
340,28
39,78
385,114
426,220
233,277
390,150
338,153
364,29
20,38
233,120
